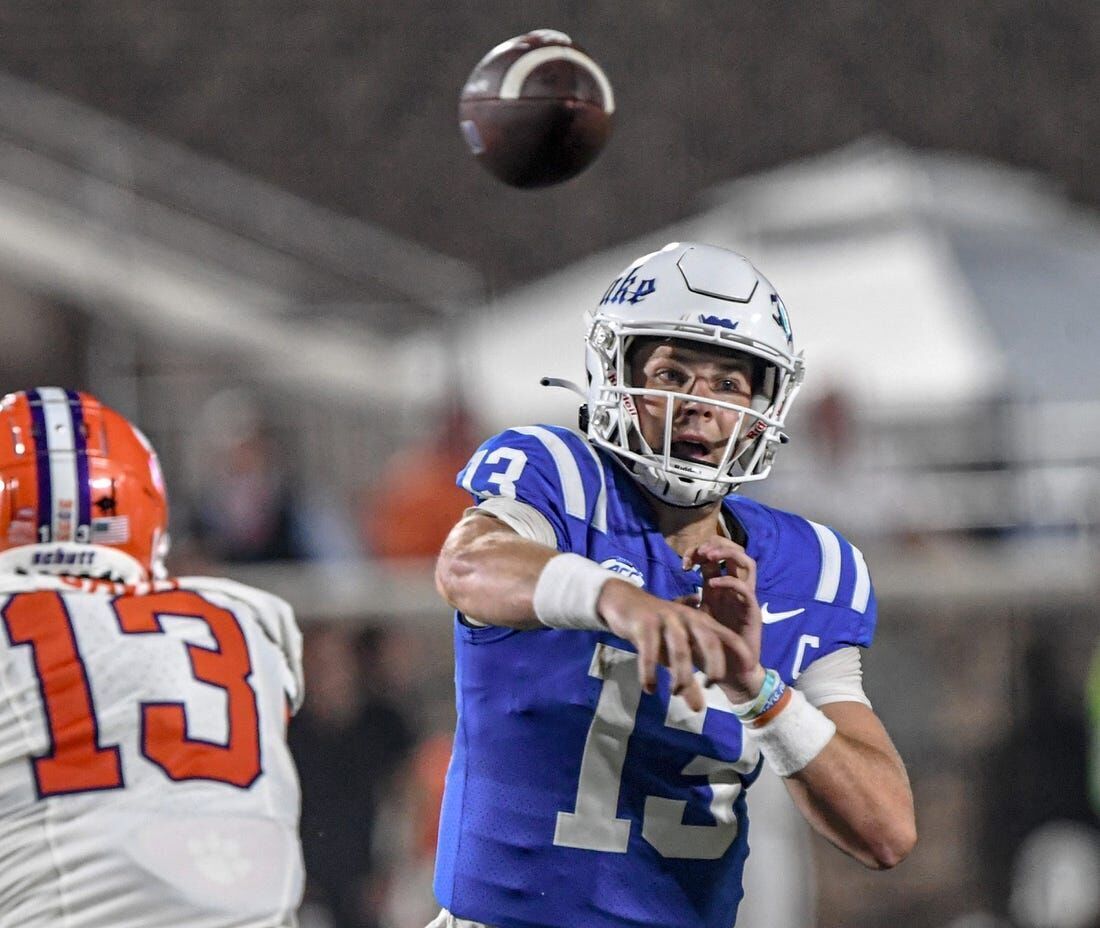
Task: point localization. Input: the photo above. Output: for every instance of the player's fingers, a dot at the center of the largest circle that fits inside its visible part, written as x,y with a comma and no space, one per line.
678,651
706,553
708,651
745,566
739,587
727,606
733,644
727,637
713,551
709,571
729,553
693,695
648,642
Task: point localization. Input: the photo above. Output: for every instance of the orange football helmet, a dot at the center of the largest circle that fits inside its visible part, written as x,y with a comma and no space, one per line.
81,490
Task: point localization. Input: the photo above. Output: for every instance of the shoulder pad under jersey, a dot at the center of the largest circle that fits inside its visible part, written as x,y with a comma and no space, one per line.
551,468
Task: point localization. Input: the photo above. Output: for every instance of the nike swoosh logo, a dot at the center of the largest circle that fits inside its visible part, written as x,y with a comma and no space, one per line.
770,617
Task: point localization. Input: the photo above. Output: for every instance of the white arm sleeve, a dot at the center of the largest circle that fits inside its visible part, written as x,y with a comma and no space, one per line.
836,677
526,521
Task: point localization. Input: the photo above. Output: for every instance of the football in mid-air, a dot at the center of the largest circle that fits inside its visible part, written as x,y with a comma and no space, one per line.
536,110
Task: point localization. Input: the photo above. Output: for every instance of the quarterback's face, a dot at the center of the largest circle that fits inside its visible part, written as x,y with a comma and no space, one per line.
700,431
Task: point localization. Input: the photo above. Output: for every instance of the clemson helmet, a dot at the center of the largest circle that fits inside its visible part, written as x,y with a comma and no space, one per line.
701,294
81,490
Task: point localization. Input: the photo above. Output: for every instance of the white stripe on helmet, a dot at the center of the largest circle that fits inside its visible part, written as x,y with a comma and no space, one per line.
61,446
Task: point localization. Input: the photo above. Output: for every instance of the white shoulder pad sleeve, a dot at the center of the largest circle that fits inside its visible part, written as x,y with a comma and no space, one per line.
526,521
836,677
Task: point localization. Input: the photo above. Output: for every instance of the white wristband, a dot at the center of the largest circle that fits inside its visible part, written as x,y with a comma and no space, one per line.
794,737
567,591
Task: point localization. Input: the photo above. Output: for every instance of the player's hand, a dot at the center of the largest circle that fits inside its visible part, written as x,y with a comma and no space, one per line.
676,634
729,595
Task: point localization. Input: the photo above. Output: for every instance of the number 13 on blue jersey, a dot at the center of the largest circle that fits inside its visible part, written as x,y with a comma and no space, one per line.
593,824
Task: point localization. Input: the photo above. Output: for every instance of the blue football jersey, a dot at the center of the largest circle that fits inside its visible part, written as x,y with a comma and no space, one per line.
573,798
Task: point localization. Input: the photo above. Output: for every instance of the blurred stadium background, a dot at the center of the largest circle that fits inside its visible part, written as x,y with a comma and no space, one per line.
253,227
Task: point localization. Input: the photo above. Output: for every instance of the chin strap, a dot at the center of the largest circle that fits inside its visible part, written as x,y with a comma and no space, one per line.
655,481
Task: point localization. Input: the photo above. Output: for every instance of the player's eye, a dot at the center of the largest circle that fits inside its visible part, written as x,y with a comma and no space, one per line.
733,385
669,375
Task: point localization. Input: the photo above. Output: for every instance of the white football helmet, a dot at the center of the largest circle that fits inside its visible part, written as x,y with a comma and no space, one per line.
695,293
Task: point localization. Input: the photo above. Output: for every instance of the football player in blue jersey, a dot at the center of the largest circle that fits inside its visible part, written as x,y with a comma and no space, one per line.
633,637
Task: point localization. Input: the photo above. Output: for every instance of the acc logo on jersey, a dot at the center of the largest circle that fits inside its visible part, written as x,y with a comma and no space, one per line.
624,569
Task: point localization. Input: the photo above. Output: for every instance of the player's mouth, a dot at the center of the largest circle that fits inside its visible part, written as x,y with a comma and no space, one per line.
691,449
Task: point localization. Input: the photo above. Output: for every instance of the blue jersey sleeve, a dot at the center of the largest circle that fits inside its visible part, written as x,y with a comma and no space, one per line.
813,586
553,469
826,573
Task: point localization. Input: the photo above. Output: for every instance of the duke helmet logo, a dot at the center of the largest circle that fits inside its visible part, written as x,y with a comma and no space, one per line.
718,320
782,320
629,289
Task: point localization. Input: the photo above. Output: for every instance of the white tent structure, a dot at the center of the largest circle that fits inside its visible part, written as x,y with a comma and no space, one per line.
871,248
952,302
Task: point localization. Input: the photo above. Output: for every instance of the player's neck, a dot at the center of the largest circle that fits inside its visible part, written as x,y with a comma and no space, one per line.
685,528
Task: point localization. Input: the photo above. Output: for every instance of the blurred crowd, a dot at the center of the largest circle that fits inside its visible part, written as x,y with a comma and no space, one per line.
372,778
247,501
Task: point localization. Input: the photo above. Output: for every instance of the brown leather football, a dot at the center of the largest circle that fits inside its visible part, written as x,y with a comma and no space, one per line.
536,110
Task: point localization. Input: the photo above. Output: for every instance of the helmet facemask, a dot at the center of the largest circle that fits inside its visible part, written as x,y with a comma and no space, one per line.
614,421
709,298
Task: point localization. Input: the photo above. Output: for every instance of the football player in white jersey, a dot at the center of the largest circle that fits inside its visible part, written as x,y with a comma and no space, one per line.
144,774
632,636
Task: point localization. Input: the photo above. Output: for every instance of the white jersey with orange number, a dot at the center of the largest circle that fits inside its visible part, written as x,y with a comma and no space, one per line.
144,774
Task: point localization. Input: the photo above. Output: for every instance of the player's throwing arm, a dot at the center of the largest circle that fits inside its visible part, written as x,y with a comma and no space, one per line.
490,574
